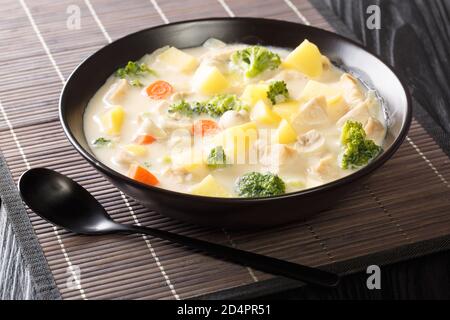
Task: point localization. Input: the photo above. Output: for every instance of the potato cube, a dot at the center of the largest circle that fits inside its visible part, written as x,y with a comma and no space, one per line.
209,187
190,162
285,133
135,150
286,109
306,58
237,142
209,80
178,60
253,93
112,120
262,113
314,89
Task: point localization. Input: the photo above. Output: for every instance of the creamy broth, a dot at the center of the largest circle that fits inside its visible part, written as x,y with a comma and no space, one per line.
297,138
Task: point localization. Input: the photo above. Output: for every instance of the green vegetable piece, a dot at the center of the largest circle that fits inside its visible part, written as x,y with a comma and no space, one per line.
255,59
101,142
135,83
278,92
255,184
215,107
133,70
358,150
182,107
222,103
147,164
216,158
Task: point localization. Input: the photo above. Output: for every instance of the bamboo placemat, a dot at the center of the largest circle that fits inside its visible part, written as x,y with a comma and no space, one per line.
400,212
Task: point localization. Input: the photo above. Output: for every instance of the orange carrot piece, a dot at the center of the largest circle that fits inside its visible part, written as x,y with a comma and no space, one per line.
144,139
204,127
142,175
159,89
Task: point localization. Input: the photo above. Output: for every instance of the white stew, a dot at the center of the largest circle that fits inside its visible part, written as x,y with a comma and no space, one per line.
233,120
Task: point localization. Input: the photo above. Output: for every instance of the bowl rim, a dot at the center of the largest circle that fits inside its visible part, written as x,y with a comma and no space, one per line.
369,168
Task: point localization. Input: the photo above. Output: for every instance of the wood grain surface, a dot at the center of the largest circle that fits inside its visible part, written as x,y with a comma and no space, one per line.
393,209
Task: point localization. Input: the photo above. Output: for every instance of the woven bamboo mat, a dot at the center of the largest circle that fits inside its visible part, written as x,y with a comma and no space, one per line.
405,202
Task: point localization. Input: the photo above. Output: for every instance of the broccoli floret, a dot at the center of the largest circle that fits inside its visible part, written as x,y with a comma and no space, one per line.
214,107
188,109
222,103
278,92
133,70
358,150
255,59
255,184
182,107
216,158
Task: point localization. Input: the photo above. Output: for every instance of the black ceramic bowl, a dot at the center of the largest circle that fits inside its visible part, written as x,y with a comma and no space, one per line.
234,212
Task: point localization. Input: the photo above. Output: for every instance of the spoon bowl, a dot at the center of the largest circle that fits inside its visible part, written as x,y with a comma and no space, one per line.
63,202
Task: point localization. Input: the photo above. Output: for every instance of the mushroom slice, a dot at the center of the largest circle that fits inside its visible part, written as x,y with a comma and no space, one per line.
351,91
313,112
233,118
312,141
117,91
375,130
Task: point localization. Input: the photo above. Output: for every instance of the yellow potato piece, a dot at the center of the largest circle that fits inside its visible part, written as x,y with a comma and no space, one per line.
262,113
191,162
314,89
112,120
253,93
209,80
209,187
286,109
135,150
306,58
178,60
237,142
285,134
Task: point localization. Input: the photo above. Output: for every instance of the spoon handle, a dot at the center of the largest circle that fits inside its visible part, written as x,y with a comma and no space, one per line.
263,263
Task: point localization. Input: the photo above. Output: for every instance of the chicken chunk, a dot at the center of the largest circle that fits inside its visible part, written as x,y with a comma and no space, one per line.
312,113
233,118
117,91
375,130
180,95
359,113
352,94
277,157
148,126
326,169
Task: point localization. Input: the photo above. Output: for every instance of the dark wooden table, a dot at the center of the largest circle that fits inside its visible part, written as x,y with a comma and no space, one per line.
415,38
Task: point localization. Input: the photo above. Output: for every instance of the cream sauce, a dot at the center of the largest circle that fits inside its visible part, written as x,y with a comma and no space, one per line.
310,161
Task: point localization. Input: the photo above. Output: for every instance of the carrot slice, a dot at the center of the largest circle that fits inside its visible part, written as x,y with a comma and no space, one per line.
144,139
142,175
204,127
159,89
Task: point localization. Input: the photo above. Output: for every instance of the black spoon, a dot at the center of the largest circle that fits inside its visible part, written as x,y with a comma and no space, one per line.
63,202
